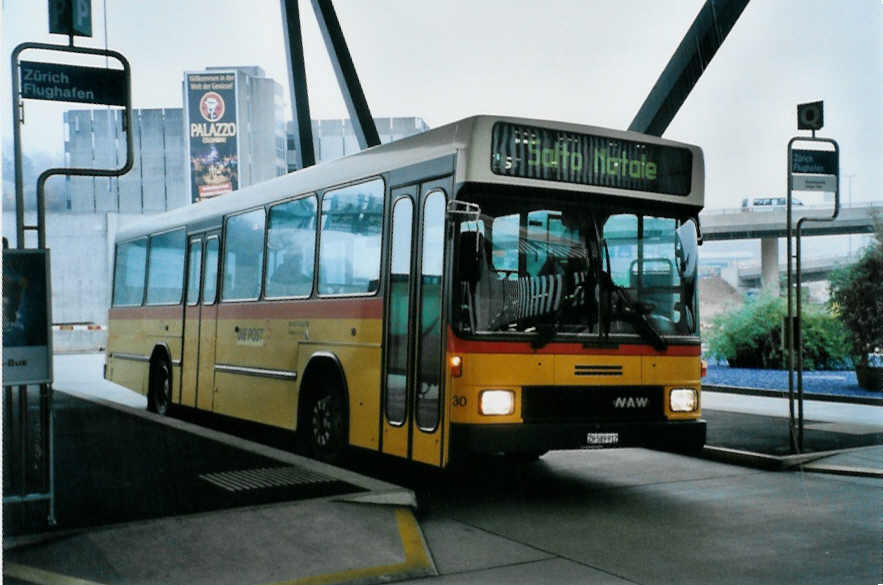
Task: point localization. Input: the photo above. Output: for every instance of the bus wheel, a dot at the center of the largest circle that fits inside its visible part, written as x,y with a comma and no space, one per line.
328,426
160,396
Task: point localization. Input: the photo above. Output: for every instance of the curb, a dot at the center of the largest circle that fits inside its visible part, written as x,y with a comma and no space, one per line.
799,462
866,400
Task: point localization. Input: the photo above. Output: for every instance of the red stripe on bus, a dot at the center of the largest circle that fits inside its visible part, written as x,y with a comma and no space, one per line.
164,312
457,345
325,308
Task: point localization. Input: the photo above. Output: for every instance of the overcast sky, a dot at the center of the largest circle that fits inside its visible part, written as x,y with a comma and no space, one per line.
581,61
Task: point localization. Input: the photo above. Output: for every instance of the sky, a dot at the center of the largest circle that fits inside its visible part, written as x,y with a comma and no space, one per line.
580,61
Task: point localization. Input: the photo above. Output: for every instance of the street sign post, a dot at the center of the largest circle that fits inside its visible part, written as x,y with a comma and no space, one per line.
814,169
69,83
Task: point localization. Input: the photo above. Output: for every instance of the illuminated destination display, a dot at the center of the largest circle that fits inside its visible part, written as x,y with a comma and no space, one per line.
557,155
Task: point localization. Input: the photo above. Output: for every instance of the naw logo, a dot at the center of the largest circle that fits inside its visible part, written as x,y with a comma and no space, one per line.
631,402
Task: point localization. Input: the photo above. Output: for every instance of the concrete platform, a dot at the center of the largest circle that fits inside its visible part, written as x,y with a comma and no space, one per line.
289,520
309,542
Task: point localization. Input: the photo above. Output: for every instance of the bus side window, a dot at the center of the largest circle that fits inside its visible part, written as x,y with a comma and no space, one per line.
129,273
165,269
291,248
349,247
243,256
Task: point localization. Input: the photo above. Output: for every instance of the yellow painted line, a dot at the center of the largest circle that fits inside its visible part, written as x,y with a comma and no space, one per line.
41,577
412,544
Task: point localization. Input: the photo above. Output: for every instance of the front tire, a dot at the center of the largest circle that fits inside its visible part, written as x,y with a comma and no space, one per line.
159,398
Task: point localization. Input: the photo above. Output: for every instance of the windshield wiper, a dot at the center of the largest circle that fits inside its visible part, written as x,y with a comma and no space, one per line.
632,312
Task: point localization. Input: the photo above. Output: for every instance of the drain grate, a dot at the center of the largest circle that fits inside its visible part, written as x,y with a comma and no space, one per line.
263,478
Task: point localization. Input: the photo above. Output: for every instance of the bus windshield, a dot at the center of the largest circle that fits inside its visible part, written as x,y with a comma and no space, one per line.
555,267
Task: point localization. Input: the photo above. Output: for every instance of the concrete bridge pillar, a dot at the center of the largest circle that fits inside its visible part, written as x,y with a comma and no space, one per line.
769,265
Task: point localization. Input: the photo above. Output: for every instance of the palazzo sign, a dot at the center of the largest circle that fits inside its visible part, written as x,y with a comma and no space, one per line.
213,143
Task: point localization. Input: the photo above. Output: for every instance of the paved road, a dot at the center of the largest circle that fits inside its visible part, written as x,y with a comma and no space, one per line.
637,516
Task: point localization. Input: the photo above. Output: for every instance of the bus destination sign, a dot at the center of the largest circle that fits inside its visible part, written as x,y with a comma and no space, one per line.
558,155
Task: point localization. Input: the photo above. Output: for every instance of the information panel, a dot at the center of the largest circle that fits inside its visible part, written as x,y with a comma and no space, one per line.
26,347
213,132
557,155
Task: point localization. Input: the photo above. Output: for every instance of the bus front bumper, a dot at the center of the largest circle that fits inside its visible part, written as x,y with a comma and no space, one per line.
682,436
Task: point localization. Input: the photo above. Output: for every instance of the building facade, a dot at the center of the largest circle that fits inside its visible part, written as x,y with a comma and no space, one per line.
94,139
336,137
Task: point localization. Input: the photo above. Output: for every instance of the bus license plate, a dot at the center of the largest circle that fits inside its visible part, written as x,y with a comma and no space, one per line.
602,439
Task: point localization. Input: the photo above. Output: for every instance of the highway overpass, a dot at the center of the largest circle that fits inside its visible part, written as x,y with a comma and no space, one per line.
742,224
769,225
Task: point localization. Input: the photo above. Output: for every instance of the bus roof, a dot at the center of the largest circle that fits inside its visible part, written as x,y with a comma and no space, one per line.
469,138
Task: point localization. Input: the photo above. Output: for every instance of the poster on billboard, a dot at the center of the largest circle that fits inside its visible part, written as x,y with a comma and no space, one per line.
212,127
27,348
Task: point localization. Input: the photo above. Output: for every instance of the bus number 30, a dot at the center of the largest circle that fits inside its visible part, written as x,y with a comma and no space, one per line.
459,401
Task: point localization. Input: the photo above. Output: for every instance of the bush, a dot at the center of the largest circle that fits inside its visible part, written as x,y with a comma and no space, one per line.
857,298
751,337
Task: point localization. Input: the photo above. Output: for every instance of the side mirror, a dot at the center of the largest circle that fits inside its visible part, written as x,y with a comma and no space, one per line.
469,252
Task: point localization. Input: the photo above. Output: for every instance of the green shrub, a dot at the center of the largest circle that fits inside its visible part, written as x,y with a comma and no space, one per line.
857,298
751,337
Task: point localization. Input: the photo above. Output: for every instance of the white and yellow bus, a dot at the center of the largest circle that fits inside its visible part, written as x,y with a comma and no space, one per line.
495,285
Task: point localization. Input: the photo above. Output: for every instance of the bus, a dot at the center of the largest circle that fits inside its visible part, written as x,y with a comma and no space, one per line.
495,285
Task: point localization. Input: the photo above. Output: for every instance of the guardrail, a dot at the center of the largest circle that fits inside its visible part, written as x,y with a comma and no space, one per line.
796,208
28,448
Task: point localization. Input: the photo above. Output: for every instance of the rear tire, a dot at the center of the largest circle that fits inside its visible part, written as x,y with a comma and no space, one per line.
327,425
159,398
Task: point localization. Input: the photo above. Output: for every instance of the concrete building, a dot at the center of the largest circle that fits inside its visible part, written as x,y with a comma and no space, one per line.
157,181
336,138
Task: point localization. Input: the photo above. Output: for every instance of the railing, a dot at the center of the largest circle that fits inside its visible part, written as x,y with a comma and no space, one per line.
796,208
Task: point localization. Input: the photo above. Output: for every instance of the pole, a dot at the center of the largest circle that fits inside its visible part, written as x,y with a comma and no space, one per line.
297,83
789,322
17,120
799,328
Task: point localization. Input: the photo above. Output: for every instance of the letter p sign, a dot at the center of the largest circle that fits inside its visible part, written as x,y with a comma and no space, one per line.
70,17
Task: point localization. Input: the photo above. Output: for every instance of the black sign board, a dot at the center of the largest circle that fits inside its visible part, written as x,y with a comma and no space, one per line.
27,340
817,162
73,83
557,155
70,17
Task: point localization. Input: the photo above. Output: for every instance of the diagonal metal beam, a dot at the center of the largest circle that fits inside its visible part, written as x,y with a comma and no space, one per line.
705,36
297,79
347,78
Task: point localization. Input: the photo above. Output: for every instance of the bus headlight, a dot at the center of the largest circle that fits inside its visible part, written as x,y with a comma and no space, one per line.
497,402
683,400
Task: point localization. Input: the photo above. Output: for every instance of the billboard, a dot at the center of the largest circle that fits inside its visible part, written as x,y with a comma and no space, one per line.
27,348
213,145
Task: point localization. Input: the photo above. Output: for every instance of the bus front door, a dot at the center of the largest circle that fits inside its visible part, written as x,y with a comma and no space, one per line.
413,375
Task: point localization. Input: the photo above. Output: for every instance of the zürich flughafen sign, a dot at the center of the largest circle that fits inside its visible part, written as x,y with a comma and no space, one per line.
72,83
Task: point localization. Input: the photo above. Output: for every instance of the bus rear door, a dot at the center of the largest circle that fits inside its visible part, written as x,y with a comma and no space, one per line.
200,321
